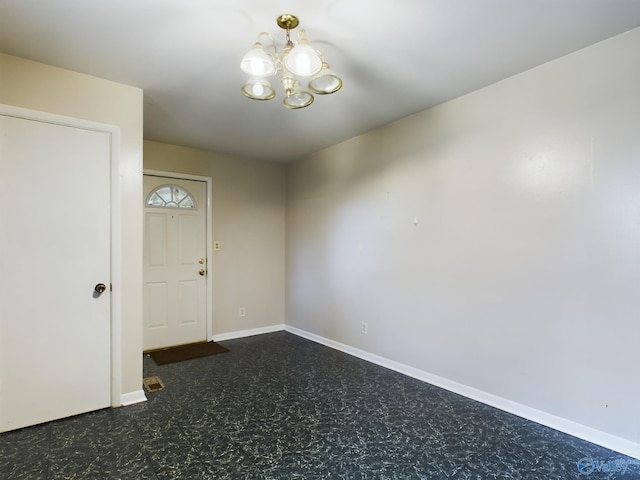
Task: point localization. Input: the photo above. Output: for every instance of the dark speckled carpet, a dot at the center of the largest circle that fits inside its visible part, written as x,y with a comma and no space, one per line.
281,407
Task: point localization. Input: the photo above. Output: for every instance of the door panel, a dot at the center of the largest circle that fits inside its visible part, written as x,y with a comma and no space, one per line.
156,226
156,305
54,248
175,300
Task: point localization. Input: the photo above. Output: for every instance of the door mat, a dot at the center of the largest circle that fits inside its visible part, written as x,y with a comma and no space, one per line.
186,352
152,384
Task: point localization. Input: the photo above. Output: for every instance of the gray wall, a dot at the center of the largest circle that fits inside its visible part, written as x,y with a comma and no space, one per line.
521,277
248,217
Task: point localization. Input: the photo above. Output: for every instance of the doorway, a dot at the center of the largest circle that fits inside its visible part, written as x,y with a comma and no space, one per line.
177,306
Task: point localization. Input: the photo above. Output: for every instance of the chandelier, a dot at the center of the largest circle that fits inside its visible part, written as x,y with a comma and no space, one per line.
298,60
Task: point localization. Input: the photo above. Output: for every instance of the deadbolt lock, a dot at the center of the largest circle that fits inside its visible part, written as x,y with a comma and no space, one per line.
201,261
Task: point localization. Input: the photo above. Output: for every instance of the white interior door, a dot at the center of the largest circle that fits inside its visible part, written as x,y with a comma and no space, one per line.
54,248
175,264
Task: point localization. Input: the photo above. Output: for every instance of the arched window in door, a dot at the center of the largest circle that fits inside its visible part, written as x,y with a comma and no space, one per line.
170,196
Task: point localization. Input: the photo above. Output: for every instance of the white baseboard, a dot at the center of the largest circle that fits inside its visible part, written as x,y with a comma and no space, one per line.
583,432
247,333
132,397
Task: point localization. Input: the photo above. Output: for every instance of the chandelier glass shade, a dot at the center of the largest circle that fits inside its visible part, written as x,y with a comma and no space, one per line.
258,62
297,60
258,88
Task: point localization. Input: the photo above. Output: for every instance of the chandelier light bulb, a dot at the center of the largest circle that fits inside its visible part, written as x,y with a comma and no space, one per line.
258,89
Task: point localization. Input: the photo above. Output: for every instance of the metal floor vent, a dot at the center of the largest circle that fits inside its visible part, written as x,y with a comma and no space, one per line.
153,384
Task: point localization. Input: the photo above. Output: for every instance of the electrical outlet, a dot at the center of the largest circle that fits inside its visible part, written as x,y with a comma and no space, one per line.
364,328
217,245
242,312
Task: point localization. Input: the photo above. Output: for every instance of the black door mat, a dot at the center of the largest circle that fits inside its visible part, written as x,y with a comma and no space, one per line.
186,352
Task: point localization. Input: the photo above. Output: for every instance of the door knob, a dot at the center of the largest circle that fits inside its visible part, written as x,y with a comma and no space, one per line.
100,287
202,271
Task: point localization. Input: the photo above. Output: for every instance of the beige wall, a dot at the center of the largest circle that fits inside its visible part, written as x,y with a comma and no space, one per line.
45,88
248,218
521,277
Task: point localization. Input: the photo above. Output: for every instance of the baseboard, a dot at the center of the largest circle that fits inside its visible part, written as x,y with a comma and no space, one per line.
247,333
583,432
132,398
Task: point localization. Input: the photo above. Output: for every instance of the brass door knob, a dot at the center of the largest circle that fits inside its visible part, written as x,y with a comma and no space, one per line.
100,288
202,272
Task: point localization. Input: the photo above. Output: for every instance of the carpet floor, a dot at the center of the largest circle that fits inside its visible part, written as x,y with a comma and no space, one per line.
281,407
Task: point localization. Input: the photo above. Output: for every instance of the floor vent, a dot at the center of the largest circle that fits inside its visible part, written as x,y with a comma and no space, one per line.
153,384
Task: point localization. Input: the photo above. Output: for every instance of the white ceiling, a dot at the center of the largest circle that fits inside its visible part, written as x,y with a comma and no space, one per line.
395,58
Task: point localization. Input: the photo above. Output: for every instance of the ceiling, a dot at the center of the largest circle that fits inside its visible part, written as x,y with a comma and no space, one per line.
395,58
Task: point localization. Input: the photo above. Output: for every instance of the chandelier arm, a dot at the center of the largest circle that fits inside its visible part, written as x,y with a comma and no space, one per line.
302,34
273,42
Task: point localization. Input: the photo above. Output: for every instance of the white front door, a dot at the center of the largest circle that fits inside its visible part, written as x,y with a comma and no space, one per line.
175,263
55,243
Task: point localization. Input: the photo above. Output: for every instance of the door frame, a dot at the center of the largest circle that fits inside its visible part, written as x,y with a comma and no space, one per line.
113,131
208,236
